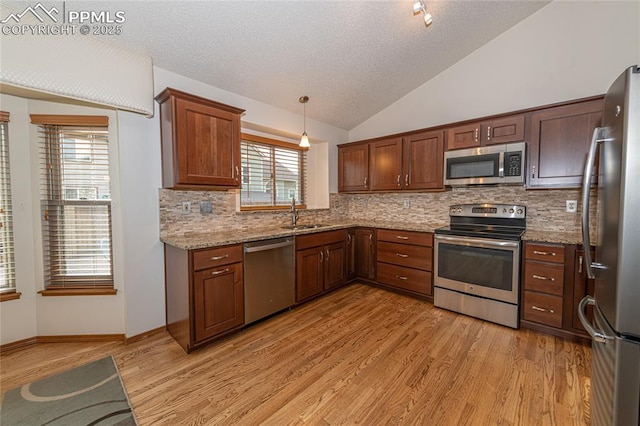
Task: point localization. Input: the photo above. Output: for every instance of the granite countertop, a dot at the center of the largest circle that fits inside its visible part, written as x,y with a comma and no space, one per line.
553,236
197,240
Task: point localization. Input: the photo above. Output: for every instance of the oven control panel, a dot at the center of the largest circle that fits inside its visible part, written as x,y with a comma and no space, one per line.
488,210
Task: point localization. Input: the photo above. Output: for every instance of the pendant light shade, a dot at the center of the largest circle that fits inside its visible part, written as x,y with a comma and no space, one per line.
304,140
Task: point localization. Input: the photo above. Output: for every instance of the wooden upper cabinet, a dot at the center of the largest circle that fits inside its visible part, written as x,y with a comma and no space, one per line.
386,164
423,160
353,167
501,130
200,142
559,143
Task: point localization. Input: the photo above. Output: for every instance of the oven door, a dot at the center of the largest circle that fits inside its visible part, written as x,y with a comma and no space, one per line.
479,266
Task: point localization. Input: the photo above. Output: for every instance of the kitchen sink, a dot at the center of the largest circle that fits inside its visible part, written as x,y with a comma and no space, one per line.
313,226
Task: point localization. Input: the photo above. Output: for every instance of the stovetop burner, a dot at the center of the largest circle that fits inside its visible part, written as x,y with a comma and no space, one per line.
496,221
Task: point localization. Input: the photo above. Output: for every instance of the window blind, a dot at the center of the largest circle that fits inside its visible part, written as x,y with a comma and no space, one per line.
272,173
75,199
7,263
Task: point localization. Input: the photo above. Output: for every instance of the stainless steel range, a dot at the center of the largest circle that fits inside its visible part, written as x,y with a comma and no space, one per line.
477,261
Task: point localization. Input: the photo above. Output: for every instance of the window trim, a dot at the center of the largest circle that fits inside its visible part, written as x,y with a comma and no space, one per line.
276,143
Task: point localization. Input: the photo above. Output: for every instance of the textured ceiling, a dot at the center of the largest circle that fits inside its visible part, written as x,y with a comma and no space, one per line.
352,58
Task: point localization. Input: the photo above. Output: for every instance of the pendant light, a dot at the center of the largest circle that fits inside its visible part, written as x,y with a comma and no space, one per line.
304,140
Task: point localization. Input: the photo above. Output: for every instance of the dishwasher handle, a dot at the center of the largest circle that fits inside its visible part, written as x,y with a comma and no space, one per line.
264,247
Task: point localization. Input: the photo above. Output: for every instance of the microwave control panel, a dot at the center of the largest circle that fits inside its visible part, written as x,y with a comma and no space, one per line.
513,163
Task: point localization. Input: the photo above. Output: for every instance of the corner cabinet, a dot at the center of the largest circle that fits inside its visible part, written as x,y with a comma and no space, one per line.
200,142
559,143
321,263
204,293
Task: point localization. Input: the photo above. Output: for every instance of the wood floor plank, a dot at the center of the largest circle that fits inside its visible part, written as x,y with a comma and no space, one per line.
360,355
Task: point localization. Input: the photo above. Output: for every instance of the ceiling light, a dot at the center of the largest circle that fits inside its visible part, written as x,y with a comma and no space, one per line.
304,140
421,6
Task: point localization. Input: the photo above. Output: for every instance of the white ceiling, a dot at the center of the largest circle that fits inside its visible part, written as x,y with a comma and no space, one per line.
352,58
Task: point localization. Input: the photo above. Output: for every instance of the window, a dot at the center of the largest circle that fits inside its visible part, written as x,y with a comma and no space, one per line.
7,264
273,172
75,200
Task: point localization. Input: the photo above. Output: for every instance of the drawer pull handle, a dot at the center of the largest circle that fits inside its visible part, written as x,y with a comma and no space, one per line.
400,237
539,277
535,308
400,277
224,256
220,272
402,255
544,253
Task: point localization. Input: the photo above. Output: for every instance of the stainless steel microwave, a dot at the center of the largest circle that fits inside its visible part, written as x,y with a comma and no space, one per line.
487,165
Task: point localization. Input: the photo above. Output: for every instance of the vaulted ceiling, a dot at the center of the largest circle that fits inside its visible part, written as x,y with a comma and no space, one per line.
352,58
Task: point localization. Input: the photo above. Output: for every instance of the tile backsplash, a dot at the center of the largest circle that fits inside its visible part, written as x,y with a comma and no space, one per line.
546,209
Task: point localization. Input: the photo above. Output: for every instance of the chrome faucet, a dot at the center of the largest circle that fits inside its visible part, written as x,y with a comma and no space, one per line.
294,212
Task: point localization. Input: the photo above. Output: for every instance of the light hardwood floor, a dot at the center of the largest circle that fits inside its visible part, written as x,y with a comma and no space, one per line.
360,355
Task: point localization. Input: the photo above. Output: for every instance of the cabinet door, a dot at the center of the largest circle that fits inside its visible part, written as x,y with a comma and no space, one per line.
559,143
503,130
351,254
207,146
309,273
365,254
353,168
467,136
386,164
582,286
423,160
218,300
334,265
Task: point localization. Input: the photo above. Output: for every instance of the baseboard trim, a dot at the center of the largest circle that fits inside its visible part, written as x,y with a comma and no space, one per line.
145,335
73,338
18,344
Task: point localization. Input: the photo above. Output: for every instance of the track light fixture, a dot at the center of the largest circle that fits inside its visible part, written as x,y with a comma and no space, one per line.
421,6
304,140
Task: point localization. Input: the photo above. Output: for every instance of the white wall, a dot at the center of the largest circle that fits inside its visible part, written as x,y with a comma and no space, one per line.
18,317
566,50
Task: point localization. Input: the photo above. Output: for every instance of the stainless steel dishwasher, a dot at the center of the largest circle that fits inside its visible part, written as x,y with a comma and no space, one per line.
269,277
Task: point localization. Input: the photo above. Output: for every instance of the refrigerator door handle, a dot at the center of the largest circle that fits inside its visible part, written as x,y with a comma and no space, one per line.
586,184
597,336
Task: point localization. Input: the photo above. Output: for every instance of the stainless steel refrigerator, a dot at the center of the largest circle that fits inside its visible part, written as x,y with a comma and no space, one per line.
615,328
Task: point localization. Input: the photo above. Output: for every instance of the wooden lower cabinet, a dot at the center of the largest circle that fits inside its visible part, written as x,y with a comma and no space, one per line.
404,260
321,263
204,293
553,283
365,253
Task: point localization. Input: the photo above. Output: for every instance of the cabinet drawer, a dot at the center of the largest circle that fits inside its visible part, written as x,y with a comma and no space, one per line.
320,239
211,258
545,252
542,308
417,257
406,237
544,277
405,278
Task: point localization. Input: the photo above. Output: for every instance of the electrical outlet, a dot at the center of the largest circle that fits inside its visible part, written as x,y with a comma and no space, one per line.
405,204
205,207
572,206
186,207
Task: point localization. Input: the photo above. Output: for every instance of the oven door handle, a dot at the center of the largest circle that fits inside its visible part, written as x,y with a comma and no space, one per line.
478,242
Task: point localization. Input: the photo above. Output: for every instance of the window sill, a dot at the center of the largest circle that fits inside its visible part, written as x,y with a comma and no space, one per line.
79,292
13,295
